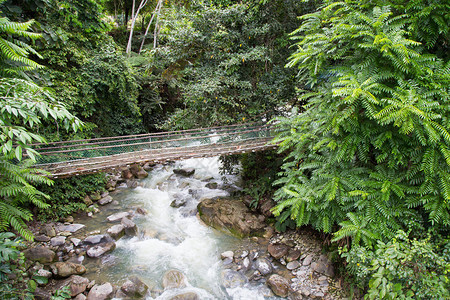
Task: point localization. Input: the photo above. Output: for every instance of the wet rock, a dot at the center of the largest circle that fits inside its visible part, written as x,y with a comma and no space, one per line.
227,254
295,295
129,226
116,231
178,202
118,216
307,260
101,292
138,171
76,284
97,239
264,266
212,185
72,228
41,238
100,249
44,273
141,211
186,296
293,255
265,206
133,288
173,279
232,279
76,242
66,269
111,184
105,200
279,285
132,184
230,216
57,241
278,250
40,254
184,172
126,174
292,265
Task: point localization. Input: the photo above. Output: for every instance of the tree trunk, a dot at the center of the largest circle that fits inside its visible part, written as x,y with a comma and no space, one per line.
150,23
133,23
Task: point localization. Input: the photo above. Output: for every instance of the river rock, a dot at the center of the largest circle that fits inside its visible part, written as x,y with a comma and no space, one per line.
186,296
41,238
100,249
132,184
178,202
57,241
76,242
49,230
293,255
186,172
278,250
141,211
80,297
105,200
126,174
323,266
130,227
138,171
230,216
133,288
264,266
87,200
40,254
307,260
118,216
76,284
41,294
44,273
292,265
101,292
232,279
116,231
279,285
97,239
211,185
227,254
173,279
111,184
72,228
66,269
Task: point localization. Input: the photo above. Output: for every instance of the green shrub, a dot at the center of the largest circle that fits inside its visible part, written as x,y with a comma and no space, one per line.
402,269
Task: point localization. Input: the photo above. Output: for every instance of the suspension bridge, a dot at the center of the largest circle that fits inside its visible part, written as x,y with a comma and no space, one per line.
77,157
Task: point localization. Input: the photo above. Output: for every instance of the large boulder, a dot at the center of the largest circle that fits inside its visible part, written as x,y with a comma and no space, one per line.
230,216
173,279
278,250
40,254
116,231
76,284
264,266
279,285
97,239
117,217
232,279
100,249
72,228
186,172
138,171
129,226
66,269
101,292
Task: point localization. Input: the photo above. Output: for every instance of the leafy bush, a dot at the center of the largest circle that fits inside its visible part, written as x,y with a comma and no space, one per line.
66,195
402,269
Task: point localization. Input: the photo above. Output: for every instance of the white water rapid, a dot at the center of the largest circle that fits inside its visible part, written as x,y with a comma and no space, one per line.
174,238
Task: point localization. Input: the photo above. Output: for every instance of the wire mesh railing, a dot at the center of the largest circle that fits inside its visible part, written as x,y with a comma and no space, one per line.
68,151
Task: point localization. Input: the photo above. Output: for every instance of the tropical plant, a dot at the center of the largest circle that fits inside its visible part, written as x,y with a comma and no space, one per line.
370,149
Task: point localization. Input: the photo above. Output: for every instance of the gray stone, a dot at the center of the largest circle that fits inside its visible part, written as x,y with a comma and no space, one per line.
76,242
101,292
80,297
97,239
186,296
40,254
186,172
66,269
72,228
131,184
278,250
116,231
44,273
292,265
118,216
307,260
227,254
49,230
141,211
264,266
130,227
104,194
57,241
178,202
76,284
105,200
134,288
173,279
41,294
100,249
41,238
279,285
211,185
232,279
293,255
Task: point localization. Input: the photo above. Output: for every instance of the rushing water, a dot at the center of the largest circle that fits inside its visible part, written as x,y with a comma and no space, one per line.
173,238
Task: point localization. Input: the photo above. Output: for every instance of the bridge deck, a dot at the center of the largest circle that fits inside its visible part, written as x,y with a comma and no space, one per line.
222,142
